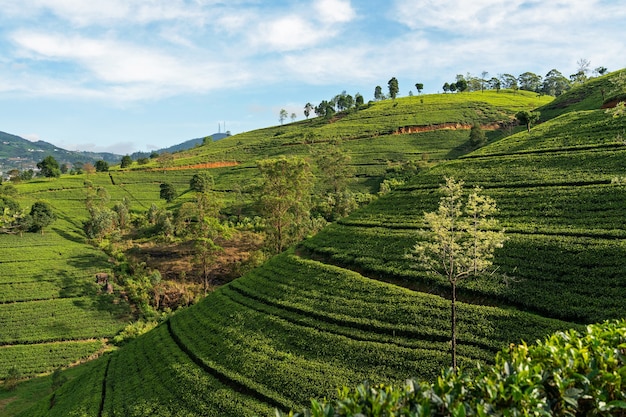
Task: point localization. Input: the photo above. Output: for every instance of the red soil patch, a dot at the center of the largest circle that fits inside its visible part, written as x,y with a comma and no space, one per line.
610,104
205,165
444,126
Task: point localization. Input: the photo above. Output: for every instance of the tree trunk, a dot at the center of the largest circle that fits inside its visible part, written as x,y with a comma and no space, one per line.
453,326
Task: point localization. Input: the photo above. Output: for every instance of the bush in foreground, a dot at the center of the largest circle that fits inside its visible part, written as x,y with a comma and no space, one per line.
568,374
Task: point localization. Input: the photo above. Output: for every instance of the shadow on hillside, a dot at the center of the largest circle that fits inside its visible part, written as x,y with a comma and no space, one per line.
74,237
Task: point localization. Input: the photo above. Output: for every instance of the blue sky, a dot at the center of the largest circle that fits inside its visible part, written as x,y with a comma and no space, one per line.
129,75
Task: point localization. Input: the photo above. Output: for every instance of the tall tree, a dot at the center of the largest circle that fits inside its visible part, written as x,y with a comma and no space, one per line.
378,93
529,81
483,80
285,200
459,240
393,88
307,110
555,84
49,167
358,100
419,87
509,82
282,116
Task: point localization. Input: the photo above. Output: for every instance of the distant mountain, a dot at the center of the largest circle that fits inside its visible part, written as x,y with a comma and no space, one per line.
20,153
189,144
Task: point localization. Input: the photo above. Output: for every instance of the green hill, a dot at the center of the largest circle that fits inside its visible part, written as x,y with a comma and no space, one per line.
346,306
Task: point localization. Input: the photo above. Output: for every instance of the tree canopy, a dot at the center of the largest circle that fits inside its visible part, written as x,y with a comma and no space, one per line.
49,167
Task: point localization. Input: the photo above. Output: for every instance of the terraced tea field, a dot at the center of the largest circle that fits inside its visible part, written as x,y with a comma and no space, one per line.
50,312
291,330
347,306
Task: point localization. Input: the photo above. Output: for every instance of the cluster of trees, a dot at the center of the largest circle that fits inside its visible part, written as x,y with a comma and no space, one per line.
554,83
14,219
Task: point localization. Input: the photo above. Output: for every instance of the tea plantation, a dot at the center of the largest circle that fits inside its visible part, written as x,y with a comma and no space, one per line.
346,305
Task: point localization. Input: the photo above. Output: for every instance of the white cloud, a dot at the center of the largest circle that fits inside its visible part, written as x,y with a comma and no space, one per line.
127,71
287,33
334,11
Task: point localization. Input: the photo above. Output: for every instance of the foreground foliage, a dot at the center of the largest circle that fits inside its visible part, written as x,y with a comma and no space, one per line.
568,374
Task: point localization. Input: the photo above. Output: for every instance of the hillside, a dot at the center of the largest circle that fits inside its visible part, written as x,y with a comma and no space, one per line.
346,306
22,154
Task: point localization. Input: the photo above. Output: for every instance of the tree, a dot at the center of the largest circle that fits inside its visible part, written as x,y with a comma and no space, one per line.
63,169
378,93
167,192
88,168
41,215
600,70
282,116
165,160
555,84
495,84
459,240
527,118
359,101
509,81
201,182
452,87
419,87
393,88
477,136
446,87
293,117
285,200
335,173
102,166
126,161
11,215
307,110
49,167
483,80
461,85
529,81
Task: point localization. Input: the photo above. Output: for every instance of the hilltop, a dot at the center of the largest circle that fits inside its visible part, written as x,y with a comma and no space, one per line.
345,305
23,154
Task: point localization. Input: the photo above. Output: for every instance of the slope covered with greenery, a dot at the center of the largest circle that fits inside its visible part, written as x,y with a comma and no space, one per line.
322,316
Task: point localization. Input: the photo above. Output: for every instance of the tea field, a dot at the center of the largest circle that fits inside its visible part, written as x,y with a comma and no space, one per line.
347,305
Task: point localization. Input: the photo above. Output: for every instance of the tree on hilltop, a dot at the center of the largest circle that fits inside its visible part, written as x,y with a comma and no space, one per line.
459,240
282,116
378,93
307,110
419,87
393,88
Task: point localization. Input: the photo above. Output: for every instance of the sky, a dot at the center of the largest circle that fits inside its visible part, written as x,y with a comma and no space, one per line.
137,75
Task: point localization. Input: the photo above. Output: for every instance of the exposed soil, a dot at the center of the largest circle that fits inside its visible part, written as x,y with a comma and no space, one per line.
204,165
175,261
446,126
611,104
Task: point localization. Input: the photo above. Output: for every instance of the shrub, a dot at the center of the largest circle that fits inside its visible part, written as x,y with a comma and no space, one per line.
567,374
